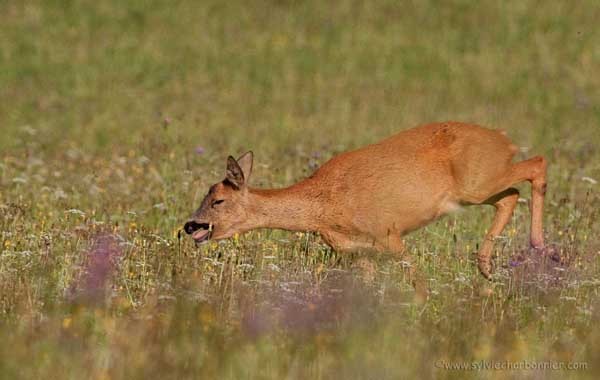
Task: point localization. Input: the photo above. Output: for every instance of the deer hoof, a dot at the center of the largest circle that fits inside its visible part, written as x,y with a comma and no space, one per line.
485,268
552,252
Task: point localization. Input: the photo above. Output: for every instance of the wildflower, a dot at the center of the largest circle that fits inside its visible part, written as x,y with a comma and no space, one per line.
76,212
514,263
589,180
66,323
103,254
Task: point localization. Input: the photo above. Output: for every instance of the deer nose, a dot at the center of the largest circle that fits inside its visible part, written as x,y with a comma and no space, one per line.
190,227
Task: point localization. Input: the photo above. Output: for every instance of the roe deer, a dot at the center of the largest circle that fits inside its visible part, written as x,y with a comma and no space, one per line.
367,199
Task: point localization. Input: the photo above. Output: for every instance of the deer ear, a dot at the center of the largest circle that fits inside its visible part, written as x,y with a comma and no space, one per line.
245,162
235,174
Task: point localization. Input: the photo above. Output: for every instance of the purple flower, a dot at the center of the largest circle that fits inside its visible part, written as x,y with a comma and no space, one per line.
199,150
99,268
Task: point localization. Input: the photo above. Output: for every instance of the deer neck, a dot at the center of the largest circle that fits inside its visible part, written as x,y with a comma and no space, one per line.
295,208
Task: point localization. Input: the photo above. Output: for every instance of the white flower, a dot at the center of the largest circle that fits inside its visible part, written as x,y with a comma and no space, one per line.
76,212
589,180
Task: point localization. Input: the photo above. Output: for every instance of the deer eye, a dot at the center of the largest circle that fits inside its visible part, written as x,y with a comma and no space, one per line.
218,201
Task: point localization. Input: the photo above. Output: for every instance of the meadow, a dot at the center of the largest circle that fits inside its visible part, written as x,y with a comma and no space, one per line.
116,117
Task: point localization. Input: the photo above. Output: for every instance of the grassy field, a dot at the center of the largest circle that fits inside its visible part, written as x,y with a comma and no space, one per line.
116,116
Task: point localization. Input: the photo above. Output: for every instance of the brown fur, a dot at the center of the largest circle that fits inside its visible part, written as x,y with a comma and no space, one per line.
367,199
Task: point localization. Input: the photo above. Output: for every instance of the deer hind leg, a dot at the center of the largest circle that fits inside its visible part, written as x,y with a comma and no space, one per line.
538,192
505,203
532,170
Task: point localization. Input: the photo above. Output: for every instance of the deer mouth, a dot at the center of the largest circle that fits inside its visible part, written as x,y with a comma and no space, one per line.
200,232
201,236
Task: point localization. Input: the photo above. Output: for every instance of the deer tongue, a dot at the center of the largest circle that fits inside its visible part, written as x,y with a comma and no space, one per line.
200,235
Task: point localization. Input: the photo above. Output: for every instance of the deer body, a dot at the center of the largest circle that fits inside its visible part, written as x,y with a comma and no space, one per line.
367,199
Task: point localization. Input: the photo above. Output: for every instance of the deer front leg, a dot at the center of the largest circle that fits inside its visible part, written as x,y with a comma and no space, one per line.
342,242
393,243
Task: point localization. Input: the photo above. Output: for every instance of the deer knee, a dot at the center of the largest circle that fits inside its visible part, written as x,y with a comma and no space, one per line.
539,169
394,245
540,188
509,201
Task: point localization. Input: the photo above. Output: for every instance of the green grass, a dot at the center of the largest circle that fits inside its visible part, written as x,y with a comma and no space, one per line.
102,107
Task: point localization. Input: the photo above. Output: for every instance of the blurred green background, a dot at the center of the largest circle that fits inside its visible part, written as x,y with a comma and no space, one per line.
116,116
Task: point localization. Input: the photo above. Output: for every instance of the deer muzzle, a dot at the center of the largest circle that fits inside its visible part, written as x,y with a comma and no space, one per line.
200,231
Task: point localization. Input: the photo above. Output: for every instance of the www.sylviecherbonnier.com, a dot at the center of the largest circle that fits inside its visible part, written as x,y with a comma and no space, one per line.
499,365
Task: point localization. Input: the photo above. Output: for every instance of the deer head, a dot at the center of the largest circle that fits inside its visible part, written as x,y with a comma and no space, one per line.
223,211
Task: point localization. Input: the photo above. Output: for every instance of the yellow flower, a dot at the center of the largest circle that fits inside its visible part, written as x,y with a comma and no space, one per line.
320,268
66,323
206,316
